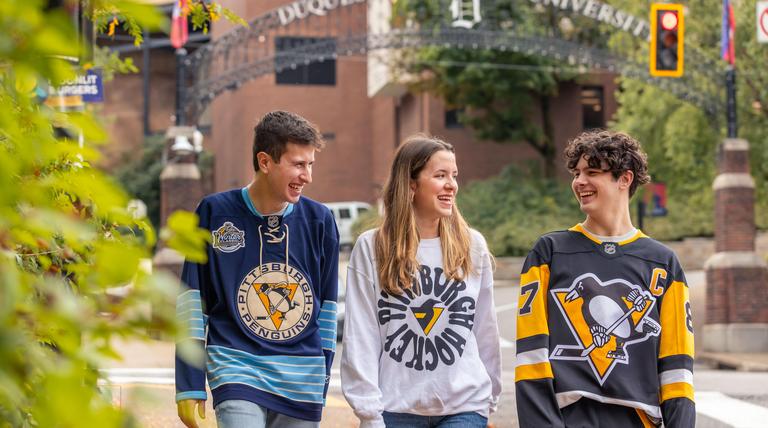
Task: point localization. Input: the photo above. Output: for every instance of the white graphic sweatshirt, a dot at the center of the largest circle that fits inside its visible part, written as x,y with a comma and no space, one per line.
433,353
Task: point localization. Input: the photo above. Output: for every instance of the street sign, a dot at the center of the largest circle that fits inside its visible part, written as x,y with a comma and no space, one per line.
762,21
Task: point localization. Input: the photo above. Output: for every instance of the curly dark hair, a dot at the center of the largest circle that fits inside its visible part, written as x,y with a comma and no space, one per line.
278,128
619,151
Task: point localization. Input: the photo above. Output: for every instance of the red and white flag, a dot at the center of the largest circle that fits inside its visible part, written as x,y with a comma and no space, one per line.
179,31
727,42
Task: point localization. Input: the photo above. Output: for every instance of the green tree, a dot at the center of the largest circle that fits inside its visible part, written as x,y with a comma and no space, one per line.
65,235
501,92
680,139
516,207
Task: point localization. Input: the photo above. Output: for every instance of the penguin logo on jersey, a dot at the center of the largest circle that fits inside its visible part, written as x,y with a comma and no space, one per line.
604,318
228,238
275,302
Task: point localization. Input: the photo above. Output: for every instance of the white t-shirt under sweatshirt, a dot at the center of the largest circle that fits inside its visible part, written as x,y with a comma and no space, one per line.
431,354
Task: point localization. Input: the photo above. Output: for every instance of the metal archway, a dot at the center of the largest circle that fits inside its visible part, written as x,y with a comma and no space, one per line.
245,54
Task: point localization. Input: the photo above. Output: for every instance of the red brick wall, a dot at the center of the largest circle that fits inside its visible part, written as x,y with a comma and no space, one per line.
737,295
735,219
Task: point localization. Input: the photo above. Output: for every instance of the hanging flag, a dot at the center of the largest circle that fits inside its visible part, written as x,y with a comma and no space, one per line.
179,31
727,41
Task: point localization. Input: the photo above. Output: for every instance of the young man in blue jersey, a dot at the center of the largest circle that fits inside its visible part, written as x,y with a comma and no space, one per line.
264,304
604,328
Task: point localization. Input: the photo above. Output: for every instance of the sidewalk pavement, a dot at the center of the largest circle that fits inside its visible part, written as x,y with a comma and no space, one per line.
148,391
757,362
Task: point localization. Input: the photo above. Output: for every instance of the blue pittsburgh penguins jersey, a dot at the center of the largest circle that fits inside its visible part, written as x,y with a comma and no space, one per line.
263,306
603,322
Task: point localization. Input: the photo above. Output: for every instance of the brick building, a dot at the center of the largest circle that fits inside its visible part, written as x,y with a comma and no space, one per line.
362,114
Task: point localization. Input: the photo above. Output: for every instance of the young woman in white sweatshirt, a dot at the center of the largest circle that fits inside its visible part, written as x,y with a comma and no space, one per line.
421,343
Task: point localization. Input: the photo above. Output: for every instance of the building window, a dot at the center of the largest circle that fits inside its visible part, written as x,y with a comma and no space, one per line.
291,64
592,107
452,118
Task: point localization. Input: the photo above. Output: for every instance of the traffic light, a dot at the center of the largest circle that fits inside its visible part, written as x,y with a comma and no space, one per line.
666,40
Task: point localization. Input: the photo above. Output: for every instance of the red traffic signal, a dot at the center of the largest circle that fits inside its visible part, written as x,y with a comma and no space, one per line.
669,20
666,50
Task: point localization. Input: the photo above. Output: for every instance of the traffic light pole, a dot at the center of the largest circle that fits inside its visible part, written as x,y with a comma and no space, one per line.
730,89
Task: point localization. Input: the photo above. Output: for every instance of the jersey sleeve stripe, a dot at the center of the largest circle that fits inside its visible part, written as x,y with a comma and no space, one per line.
676,390
533,371
676,362
327,324
190,314
533,357
532,342
191,395
676,376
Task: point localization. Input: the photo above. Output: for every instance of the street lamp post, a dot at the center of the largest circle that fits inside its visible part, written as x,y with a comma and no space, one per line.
730,88
180,185
181,56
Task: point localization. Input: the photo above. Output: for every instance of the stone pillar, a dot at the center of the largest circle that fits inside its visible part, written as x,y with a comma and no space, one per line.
737,277
180,189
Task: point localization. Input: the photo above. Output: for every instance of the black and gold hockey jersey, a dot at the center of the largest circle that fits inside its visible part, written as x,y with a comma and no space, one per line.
603,322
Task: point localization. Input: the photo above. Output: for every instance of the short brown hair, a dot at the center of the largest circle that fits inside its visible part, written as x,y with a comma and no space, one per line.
619,151
278,128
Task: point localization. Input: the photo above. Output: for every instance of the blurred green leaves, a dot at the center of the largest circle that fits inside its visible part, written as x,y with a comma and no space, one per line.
75,269
182,235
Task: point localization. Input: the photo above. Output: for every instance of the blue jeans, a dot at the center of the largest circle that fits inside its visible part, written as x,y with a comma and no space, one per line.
244,414
459,420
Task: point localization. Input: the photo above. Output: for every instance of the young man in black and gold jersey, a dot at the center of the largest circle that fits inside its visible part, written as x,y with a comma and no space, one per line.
604,329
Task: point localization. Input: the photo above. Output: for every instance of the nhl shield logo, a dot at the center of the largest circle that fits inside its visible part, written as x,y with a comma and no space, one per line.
604,318
275,301
609,248
228,238
273,221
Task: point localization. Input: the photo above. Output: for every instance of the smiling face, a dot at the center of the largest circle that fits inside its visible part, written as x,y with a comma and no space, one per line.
435,188
287,177
597,191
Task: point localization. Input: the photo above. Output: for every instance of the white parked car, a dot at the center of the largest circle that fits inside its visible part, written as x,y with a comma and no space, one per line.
345,214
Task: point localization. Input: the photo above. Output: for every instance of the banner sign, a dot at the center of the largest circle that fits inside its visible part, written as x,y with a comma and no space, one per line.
90,87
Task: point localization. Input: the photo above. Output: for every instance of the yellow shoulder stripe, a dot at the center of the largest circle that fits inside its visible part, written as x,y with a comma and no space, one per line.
676,390
533,371
676,322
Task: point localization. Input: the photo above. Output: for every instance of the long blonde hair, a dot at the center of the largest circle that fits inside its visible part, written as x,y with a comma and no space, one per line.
397,240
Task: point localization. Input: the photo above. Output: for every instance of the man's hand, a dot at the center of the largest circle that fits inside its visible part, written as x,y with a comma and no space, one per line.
186,409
